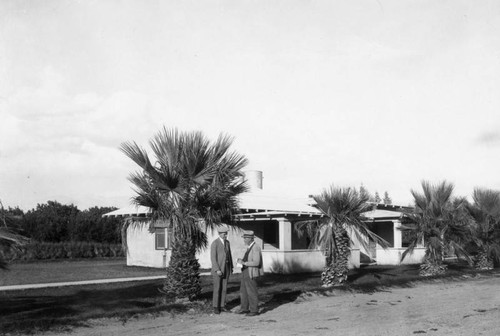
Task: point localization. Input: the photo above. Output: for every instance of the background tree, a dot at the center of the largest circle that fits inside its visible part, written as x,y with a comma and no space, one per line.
364,193
387,199
485,211
377,198
8,237
441,222
191,183
343,210
90,226
50,222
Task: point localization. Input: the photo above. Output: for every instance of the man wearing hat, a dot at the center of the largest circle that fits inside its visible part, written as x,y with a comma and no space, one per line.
222,267
252,268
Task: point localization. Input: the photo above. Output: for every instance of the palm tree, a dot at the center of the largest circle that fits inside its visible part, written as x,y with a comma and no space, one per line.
343,210
8,238
191,184
439,221
486,230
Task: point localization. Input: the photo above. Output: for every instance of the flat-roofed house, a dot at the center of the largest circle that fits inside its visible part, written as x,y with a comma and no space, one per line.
272,218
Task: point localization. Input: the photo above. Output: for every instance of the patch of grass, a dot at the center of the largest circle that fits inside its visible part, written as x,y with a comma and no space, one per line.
72,270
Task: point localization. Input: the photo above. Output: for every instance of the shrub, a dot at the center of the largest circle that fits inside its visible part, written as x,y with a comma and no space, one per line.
63,250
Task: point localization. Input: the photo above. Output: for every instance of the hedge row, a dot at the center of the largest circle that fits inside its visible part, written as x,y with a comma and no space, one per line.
63,250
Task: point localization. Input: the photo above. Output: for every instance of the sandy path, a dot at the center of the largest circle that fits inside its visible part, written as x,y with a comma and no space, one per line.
465,307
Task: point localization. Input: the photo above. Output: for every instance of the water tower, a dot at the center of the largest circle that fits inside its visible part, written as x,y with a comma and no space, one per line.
254,179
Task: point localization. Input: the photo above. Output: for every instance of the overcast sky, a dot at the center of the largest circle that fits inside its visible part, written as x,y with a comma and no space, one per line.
384,93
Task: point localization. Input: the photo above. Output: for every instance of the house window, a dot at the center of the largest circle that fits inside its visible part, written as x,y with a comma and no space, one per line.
163,239
384,230
407,237
271,235
300,242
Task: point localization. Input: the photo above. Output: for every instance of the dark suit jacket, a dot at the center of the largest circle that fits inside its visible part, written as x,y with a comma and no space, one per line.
218,256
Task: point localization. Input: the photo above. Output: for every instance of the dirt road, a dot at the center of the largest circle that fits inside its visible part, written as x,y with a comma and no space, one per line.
441,307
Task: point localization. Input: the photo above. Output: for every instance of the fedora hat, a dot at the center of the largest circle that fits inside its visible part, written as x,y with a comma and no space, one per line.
248,234
222,229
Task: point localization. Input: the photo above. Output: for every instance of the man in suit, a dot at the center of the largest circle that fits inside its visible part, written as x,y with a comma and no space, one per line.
252,268
222,267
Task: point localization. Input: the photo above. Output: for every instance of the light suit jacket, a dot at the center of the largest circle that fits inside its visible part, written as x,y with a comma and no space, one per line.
218,257
254,262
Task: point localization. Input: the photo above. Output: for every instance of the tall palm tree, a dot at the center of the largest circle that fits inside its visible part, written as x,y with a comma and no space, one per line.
192,183
342,222
486,230
439,221
8,238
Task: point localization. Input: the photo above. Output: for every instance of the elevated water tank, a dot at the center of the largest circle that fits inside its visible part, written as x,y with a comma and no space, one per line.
254,179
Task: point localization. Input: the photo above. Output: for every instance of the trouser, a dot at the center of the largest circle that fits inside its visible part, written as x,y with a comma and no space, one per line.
248,293
220,289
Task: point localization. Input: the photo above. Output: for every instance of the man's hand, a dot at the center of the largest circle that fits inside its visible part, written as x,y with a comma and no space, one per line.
219,273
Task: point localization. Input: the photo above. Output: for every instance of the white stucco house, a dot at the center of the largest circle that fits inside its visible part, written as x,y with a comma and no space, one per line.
272,218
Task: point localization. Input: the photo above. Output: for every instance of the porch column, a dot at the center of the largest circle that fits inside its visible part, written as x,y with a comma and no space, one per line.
397,234
285,234
285,240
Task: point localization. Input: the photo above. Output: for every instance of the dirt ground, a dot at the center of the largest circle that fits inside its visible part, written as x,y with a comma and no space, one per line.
469,306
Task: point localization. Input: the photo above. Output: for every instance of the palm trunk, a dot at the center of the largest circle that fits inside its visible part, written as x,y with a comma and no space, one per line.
432,264
335,272
183,276
430,268
434,257
482,261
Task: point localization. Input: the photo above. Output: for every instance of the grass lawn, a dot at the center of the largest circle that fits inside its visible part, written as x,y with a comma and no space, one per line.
72,270
40,309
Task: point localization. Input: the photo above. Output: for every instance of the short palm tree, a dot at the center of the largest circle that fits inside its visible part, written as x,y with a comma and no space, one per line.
343,220
8,238
439,221
191,184
486,229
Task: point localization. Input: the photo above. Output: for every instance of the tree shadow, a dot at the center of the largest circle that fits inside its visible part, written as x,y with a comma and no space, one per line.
274,289
43,308
369,274
278,299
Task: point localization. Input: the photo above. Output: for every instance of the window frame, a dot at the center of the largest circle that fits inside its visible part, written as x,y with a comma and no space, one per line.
167,238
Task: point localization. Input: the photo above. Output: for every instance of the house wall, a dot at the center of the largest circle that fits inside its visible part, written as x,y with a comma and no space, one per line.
392,256
296,261
354,258
141,251
141,248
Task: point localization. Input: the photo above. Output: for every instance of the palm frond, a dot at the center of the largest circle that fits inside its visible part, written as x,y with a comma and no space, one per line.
191,179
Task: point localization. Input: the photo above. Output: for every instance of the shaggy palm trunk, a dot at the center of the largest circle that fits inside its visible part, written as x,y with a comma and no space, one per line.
431,268
482,261
335,272
433,264
183,276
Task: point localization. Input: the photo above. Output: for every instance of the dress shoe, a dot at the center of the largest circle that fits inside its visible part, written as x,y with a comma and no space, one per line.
252,314
224,309
243,312
216,311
